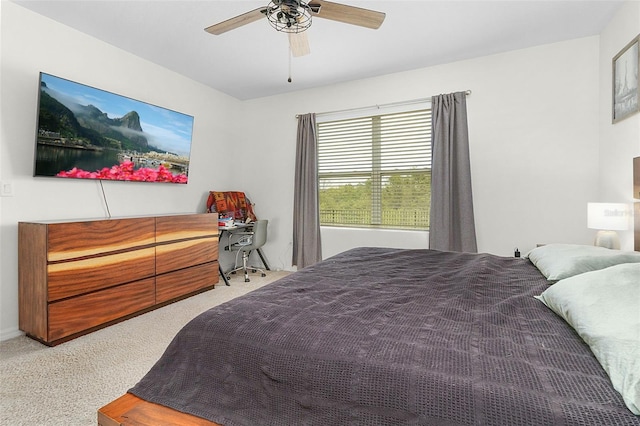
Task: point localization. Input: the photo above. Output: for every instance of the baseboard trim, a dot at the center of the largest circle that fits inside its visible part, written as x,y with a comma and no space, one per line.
10,334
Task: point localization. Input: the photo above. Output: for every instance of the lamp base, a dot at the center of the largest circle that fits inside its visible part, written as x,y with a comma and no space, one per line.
607,239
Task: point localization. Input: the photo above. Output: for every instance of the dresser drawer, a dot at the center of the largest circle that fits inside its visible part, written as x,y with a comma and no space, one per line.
173,228
77,277
176,284
74,240
173,256
81,313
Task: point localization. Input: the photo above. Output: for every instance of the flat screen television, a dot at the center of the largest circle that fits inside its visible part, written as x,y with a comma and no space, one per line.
89,133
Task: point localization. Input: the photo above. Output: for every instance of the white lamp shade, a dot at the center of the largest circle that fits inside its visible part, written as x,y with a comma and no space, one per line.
608,216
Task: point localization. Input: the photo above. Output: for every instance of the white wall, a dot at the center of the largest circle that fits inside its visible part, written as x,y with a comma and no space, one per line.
533,123
30,44
620,142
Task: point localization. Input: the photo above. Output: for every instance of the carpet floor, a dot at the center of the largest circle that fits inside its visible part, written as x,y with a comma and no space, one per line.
68,383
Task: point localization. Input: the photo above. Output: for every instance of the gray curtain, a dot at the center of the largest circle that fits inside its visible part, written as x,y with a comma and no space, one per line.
307,247
452,225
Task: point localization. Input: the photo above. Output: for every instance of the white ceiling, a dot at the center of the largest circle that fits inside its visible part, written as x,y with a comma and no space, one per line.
252,61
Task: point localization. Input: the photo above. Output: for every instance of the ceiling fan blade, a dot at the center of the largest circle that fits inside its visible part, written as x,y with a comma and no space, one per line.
347,14
299,43
238,21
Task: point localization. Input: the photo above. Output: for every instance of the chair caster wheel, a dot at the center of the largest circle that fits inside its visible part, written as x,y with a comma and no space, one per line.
234,272
253,270
246,280
263,275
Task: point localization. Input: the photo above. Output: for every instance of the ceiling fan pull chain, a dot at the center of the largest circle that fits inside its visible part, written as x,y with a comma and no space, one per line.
290,54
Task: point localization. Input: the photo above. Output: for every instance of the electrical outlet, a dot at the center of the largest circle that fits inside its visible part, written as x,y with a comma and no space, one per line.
6,189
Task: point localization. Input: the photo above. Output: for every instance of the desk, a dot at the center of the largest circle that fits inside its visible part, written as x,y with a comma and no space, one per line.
235,227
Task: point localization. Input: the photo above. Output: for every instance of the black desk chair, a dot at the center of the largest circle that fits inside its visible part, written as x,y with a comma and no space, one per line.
247,242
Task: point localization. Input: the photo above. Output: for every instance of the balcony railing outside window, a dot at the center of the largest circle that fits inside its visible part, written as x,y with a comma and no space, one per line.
399,219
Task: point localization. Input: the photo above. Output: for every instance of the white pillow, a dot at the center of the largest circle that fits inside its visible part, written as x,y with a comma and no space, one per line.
603,307
558,261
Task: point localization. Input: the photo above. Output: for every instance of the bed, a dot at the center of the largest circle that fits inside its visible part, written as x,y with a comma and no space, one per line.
417,337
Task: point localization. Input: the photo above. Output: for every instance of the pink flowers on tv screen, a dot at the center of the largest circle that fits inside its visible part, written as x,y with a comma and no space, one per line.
126,171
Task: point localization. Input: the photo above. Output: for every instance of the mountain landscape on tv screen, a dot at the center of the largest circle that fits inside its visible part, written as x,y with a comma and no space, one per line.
90,127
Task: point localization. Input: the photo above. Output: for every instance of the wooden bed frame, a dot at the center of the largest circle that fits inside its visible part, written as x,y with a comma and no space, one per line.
131,410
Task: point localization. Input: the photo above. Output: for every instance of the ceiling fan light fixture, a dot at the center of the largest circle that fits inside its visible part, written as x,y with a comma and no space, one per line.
289,16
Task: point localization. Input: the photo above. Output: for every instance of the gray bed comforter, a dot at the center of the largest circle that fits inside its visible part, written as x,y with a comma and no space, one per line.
379,336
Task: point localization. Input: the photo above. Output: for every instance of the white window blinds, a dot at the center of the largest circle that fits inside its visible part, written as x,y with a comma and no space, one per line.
375,171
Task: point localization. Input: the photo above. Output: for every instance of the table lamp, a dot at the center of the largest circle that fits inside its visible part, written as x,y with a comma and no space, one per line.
608,218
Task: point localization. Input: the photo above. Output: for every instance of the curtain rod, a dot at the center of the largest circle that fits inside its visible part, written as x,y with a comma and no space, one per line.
415,101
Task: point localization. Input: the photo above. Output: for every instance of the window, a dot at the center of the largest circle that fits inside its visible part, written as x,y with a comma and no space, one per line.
375,171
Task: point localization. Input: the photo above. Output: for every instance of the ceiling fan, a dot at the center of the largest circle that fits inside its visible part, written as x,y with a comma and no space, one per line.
294,17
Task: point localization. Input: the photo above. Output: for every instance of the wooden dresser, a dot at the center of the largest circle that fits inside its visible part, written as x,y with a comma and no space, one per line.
76,277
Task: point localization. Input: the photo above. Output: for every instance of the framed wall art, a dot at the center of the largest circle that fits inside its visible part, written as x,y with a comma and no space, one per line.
626,90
